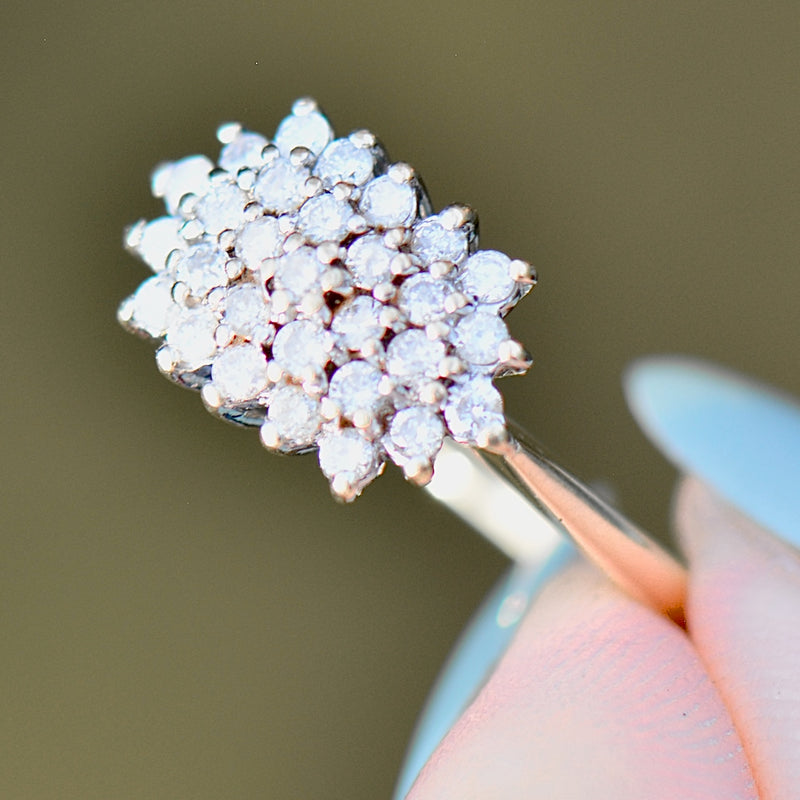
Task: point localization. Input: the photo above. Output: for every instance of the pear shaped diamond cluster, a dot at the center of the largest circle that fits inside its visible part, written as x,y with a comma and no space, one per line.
304,285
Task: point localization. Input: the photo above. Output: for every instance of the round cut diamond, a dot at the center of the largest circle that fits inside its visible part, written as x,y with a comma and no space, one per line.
298,273
478,336
280,186
486,278
413,358
299,347
159,238
354,388
388,204
246,313
239,373
372,350
422,298
415,432
343,162
324,219
473,405
191,338
311,130
295,416
174,180
152,306
262,238
222,208
370,261
348,454
433,242
243,151
202,268
357,323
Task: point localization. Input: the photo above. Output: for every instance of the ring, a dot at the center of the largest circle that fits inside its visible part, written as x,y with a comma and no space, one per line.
303,285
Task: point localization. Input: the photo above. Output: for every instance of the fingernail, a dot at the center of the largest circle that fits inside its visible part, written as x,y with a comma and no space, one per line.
471,662
740,436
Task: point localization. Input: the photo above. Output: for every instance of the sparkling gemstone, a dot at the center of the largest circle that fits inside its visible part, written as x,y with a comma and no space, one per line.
262,238
300,347
311,130
243,151
201,267
324,219
174,180
388,204
486,278
222,208
298,273
433,242
191,337
343,162
413,358
347,453
280,186
357,322
295,415
478,335
415,432
354,387
369,261
153,306
473,405
422,298
239,373
159,238
246,312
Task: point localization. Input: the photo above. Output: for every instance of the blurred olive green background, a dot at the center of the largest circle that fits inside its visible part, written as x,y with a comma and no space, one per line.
185,616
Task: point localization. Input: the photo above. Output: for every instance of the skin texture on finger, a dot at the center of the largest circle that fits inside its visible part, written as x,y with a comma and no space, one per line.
743,610
597,697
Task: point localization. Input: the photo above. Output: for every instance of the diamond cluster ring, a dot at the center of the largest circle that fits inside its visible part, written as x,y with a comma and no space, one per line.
303,285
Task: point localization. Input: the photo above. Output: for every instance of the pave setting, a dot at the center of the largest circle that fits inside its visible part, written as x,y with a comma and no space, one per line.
303,286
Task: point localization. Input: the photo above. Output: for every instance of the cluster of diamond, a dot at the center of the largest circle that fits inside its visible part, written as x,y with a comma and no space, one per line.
303,285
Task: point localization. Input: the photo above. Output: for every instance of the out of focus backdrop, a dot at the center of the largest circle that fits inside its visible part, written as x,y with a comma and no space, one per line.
183,615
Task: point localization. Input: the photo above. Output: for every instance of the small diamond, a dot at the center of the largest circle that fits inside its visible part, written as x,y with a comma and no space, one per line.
222,208
280,186
344,162
159,238
174,180
415,432
295,416
486,278
298,273
246,313
299,347
191,338
413,358
258,240
243,151
202,268
311,130
422,298
152,306
348,454
388,204
324,219
369,260
433,242
354,388
473,405
478,336
240,373
357,323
